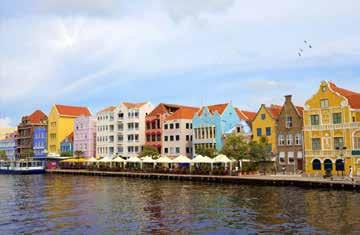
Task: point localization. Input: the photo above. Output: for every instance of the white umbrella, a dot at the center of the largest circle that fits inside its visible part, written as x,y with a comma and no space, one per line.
92,159
181,159
105,159
222,158
118,160
164,159
148,159
133,159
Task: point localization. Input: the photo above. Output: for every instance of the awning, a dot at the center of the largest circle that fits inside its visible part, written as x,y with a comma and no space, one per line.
181,159
222,158
164,159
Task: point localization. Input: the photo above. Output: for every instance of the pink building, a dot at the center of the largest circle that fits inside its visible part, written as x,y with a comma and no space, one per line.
85,135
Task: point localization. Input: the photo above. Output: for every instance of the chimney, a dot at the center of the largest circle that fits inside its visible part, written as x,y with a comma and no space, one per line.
288,98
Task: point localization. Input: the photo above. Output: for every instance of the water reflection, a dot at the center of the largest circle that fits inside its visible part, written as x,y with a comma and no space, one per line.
93,205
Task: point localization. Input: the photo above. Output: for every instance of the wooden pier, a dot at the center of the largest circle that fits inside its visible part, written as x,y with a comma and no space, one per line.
270,180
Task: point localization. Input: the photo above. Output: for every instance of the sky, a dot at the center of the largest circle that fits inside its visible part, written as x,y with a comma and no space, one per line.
98,53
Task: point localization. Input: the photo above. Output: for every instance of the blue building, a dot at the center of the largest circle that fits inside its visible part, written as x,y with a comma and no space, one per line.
39,143
212,123
9,146
67,145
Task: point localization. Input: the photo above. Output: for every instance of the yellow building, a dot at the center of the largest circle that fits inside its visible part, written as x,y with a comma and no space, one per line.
332,131
61,124
264,125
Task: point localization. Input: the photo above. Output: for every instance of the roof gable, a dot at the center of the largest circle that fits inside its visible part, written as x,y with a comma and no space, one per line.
73,111
245,115
37,117
183,113
107,109
352,97
134,105
219,108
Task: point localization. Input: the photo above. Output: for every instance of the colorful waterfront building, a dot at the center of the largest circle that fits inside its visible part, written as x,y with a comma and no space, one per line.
212,123
85,136
61,124
155,122
67,145
39,142
4,131
130,127
26,133
105,132
290,138
265,124
8,144
177,132
332,130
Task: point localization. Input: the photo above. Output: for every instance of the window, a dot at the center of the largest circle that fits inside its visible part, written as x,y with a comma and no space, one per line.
323,88
263,116
316,144
177,125
177,150
166,138
172,126
166,126
315,120
258,131
289,123
281,139
282,157
338,142
324,103
356,140
291,157
187,150
187,137
268,131
289,139
166,150
298,139
177,137
148,138
337,118
171,138
187,126
158,137
316,164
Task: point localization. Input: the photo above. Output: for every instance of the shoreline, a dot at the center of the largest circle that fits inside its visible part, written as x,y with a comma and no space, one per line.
268,180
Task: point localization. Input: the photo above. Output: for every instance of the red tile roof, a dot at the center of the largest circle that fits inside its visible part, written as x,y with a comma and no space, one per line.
351,96
274,110
107,109
74,111
300,110
212,108
164,108
183,113
133,105
37,117
245,115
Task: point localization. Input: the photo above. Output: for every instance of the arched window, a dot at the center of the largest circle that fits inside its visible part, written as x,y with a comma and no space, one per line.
316,164
339,165
356,140
328,165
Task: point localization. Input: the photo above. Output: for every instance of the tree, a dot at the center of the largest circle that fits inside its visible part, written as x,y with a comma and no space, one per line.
66,154
3,155
235,147
259,151
210,152
150,151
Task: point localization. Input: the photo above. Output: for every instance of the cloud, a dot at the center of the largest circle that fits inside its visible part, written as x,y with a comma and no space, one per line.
5,122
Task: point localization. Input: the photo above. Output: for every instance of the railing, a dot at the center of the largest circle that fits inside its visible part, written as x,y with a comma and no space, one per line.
352,125
329,153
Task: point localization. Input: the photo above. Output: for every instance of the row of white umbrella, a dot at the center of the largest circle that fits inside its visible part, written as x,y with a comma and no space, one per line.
164,159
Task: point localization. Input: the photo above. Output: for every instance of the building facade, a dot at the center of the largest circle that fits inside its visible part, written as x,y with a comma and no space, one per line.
212,123
26,131
332,130
155,122
8,144
177,132
85,135
4,131
265,124
105,132
290,138
67,145
61,124
39,143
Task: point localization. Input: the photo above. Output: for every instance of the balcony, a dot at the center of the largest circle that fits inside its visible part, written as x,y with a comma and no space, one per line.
326,127
329,153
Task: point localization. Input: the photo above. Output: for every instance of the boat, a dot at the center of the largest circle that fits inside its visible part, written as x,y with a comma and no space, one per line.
22,167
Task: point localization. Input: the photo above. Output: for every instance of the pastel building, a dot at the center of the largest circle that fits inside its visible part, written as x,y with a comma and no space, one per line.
130,127
5,131
67,145
332,130
39,143
61,124
212,123
26,133
177,132
8,144
154,124
85,135
105,132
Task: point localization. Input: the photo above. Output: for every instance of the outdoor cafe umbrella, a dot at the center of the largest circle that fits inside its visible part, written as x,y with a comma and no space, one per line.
223,159
148,159
118,160
134,159
201,159
163,159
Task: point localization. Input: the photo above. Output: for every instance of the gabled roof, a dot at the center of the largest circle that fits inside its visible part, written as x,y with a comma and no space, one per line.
352,97
245,115
163,108
220,108
300,110
183,113
274,110
107,109
70,137
134,105
37,117
74,111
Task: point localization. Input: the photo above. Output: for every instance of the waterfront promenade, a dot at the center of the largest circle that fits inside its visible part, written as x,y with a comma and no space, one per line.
270,180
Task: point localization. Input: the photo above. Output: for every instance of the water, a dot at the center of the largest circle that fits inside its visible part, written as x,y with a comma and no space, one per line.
53,204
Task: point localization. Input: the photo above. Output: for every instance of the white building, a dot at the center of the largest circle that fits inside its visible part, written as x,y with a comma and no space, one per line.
130,127
105,132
